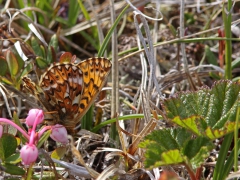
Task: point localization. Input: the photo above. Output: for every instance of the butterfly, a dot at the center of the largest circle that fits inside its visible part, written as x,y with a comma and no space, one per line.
70,89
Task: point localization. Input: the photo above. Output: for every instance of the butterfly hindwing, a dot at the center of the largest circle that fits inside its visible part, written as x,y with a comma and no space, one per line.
63,86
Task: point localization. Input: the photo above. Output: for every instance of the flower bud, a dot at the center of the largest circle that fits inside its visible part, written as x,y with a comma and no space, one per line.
34,115
29,154
59,134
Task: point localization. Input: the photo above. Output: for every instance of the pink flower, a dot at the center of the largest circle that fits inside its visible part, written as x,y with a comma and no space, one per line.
59,134
34,115
29,154
1,130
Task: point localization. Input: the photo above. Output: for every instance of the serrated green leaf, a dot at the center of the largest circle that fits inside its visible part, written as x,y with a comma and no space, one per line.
13,169
169,139
217,133
198,159
171,157
174,146
206,112
193,146
58,153
190,123
8,145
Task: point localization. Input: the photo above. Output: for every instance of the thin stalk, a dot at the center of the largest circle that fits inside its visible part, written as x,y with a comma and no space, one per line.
178,40
115,82
220,166
126,117
190,172
227,17
109,34
184,56
236,142
29,172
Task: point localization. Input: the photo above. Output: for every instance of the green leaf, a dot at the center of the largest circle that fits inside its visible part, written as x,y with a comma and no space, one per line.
26,70
18,57
65,57
12,63
175,146
8,145
84,10
236,63
47,7
45,175
171,157
43,138
206,112
54,42
58,153
41,63
3,66
215,76
90,38
197,150
109,34
62,20
189,17
13,169
17,121
36,47
199,157
173,30
5,80
211,58
94,35
73,12
13,159
52,48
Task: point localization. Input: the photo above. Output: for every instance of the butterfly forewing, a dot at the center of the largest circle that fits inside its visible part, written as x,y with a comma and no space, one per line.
95,72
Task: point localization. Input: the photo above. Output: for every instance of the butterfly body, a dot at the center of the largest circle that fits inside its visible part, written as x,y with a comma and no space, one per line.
70,89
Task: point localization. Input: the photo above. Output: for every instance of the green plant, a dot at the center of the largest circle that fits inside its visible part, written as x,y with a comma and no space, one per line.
207,113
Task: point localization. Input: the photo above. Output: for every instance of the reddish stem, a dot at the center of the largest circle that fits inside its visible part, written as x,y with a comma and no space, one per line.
190,172
199,172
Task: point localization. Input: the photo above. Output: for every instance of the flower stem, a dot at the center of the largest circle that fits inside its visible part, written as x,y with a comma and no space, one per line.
16,126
